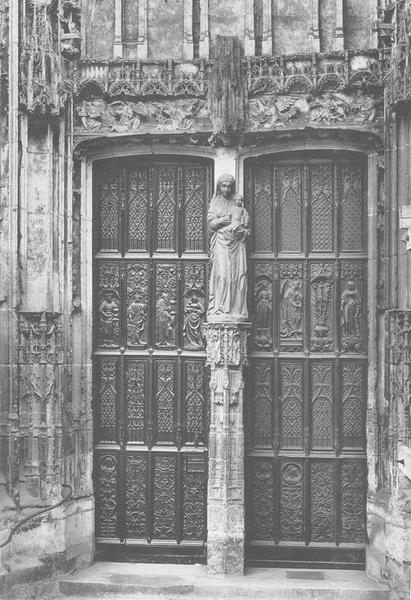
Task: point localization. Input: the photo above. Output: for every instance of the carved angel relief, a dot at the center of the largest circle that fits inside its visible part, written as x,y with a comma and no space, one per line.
126,116
91,114
274,111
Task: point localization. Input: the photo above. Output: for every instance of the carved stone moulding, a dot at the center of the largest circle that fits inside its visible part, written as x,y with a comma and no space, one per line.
141,79
40,338
226,344
317,73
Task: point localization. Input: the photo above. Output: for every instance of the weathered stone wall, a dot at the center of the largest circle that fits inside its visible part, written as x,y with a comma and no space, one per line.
45,429
6,380
158,29
389,504
358,19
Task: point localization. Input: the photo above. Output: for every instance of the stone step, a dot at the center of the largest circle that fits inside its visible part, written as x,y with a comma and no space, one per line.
169,582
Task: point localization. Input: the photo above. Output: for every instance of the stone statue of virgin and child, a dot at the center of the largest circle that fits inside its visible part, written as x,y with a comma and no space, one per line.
229,224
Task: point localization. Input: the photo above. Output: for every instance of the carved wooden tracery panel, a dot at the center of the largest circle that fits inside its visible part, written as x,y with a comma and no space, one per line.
150,384
306,388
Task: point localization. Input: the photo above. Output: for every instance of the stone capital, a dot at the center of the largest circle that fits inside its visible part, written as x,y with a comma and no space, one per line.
226,344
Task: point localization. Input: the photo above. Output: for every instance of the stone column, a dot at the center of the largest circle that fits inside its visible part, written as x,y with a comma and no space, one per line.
226,356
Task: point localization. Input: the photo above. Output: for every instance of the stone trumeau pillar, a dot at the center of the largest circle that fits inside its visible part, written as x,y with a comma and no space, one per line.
226,335
226,355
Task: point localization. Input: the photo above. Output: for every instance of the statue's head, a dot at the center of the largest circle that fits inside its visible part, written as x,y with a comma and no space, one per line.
225,186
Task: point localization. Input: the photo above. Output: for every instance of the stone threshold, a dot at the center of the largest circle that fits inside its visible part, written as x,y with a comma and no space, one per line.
192,581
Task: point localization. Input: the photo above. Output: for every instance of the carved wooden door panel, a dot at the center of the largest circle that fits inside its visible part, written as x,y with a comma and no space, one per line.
150,387
307,380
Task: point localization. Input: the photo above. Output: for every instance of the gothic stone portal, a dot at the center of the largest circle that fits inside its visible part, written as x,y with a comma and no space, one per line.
306,395
151,387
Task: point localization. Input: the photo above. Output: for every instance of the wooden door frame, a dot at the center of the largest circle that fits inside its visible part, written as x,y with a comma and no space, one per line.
132,147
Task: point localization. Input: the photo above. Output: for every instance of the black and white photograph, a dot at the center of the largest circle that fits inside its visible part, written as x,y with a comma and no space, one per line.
205,299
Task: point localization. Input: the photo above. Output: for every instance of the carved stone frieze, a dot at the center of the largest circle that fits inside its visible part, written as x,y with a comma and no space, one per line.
332,108
231,95
40,338
98,116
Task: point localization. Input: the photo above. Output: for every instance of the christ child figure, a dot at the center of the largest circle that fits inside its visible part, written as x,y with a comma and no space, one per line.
240,219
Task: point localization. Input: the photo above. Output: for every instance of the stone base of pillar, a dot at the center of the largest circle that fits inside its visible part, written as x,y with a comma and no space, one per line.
225,554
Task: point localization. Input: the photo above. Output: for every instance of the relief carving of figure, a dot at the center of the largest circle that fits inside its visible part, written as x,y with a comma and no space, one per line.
109,316
193,312
136,317
229,224
263,315
165,319
291,308
350,313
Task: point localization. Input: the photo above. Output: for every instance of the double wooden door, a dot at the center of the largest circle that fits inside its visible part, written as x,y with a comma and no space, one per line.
306,473
150,385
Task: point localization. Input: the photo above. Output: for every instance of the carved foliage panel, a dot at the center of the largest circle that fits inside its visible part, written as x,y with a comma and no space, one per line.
194,497
291,404
262,209
322,405
292,500
261,419
164,497
195,234
140,181
322,499
106,493
136,393
195,402
353,209
353,404
136,496
353,498
166,214
165,400
106,399
291,208
260,499
107,198
322,208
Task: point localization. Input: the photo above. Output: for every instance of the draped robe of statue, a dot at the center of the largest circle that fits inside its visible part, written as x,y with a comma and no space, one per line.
228,280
